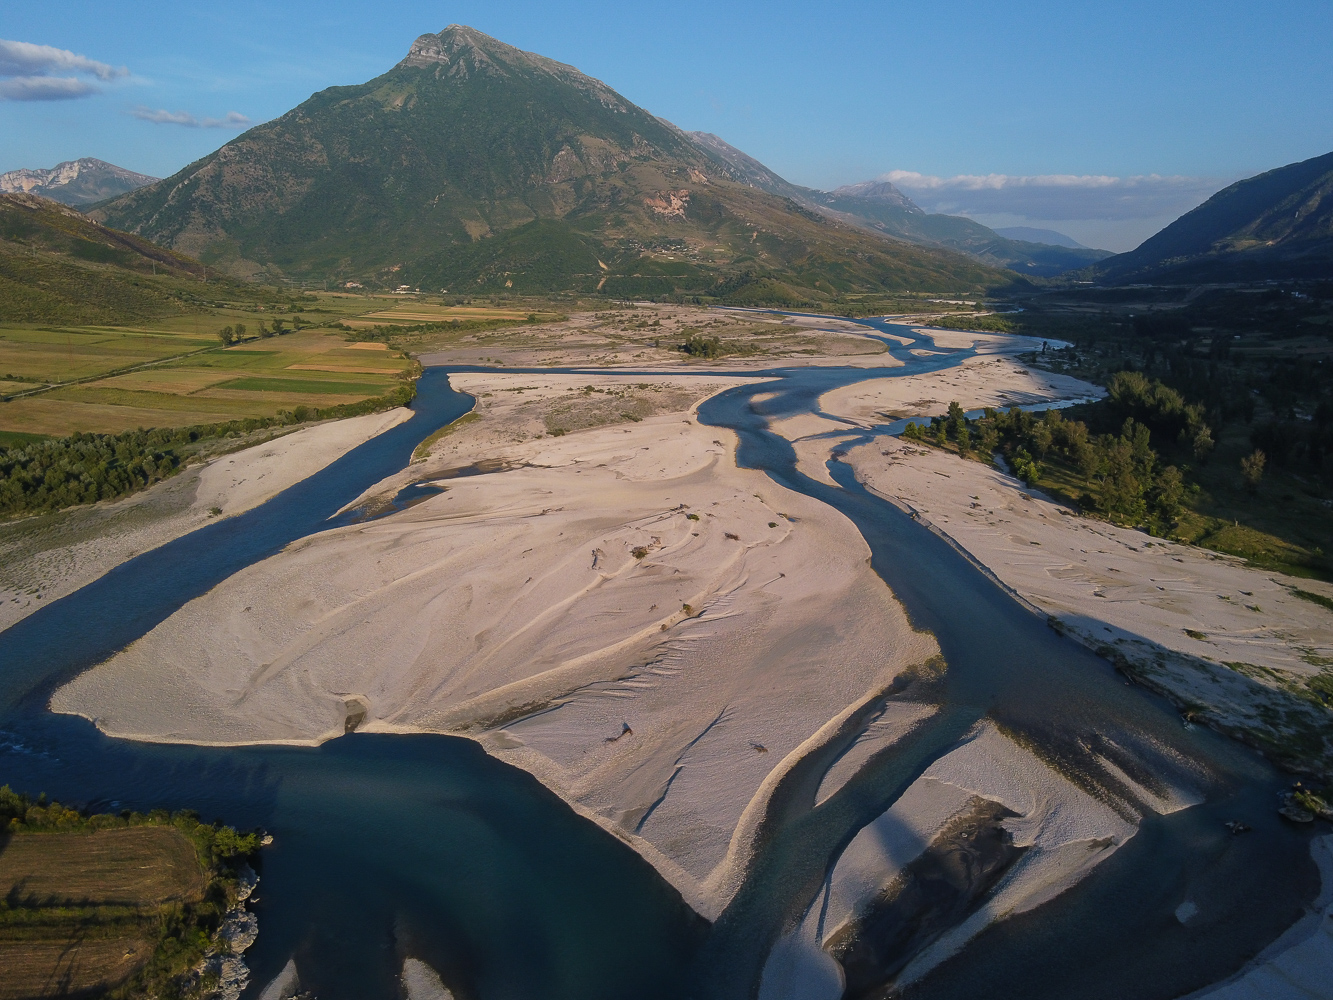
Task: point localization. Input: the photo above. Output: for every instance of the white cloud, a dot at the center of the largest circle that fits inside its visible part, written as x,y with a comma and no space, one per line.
1056,196
232,119
44,88
26,59
25,71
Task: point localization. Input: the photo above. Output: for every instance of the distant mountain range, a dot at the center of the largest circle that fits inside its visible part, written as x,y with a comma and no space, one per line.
474,166
880,206
75,182
1030,234
1276,225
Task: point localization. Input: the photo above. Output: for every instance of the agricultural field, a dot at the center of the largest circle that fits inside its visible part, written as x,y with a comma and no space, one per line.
127,905
82,908
413,312
179,372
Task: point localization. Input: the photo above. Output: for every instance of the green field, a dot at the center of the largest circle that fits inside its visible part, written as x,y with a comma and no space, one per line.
96,413
177,372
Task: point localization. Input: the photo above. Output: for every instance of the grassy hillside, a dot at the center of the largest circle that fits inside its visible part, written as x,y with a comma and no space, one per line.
474,167
57,266
1277,225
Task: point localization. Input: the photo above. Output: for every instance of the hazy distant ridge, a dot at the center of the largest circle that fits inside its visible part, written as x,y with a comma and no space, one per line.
880,206
1031,234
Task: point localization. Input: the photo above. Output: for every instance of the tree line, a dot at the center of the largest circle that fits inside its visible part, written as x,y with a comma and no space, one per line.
236,334
43,476
1120,473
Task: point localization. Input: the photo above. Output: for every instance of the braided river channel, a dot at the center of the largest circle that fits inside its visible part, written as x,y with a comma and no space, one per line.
387,845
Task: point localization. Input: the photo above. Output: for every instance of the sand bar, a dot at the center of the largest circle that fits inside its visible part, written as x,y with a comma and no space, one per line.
654,633
1205,628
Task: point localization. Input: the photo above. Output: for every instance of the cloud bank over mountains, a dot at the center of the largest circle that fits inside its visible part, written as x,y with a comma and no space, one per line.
1056,196
1098,210
28,73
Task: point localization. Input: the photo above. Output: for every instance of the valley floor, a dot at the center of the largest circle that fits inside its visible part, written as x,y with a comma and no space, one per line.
597,594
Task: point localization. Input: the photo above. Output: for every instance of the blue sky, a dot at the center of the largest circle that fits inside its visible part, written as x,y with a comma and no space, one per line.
1104,120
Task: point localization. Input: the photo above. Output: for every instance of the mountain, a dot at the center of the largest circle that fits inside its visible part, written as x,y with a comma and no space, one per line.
887,209
880,206
75,182
56,266
880,193
1276,225
745,169
474,166
1031,234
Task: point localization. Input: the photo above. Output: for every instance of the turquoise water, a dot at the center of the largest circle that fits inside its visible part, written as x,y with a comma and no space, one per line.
388,845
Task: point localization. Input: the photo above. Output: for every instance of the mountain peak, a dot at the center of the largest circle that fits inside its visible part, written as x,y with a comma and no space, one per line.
460,52
75,182
458,45
875,191
472,164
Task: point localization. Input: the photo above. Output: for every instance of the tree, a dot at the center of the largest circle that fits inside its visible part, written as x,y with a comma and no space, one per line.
1203,442
240,331
278,322
227,335
1122,479
1025,468
1168,494
1042,437
956,421
1252,469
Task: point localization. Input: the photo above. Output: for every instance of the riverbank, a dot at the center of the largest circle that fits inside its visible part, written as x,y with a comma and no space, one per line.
1235,647
1299,965
46,557
1244,650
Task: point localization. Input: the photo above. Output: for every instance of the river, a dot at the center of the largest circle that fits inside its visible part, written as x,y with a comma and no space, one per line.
393,845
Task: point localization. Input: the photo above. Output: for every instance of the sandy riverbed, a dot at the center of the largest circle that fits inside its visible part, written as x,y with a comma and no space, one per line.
653,632
649,335
1213,633
980,381
601,597
1226,639
991,799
